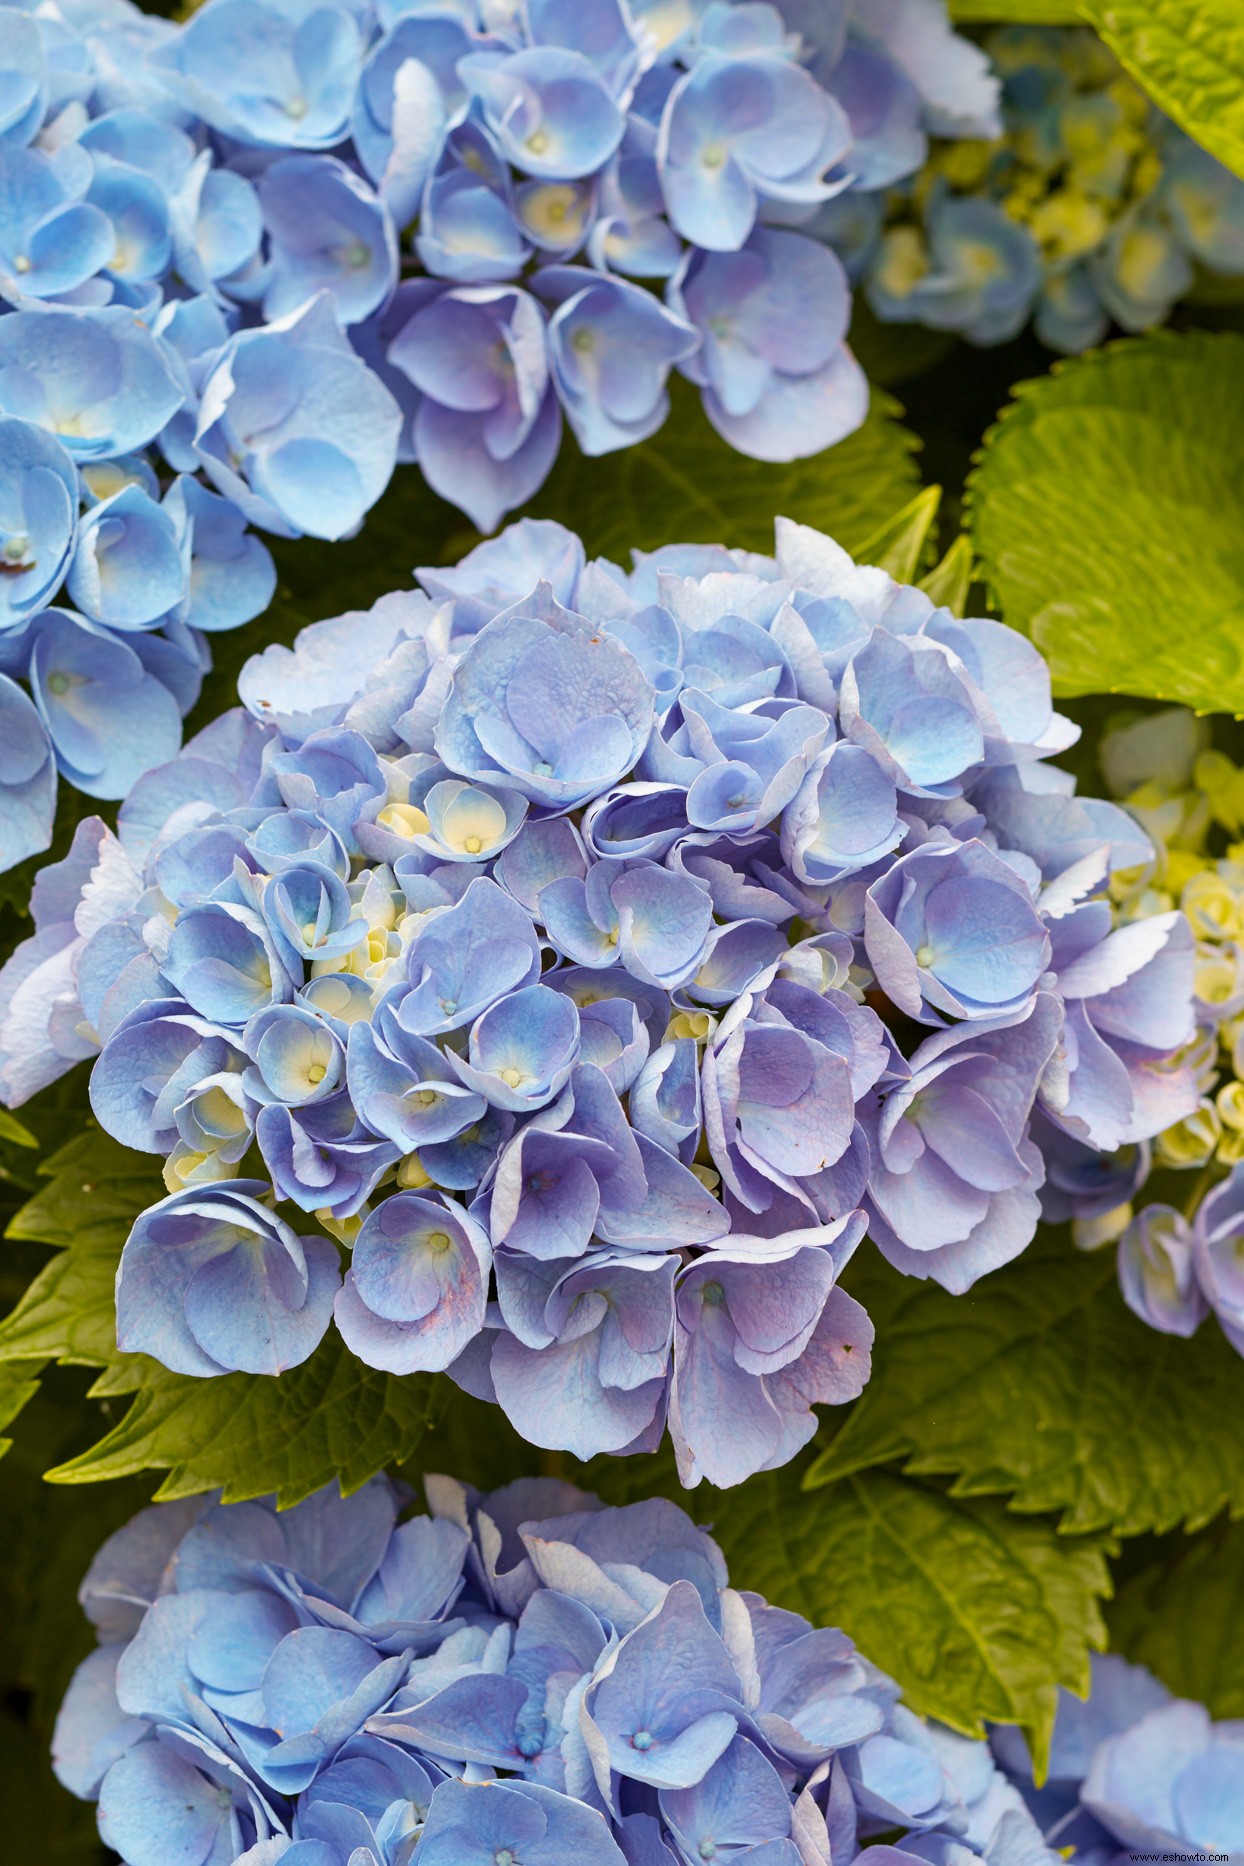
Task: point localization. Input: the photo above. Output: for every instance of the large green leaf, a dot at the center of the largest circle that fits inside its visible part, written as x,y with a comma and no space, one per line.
1189,56
686,486
246,1434
95,1187
1043,1385
1108,513
1183,1617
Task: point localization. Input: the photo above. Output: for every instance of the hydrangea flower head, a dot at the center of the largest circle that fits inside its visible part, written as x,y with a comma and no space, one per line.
1091,207
521,1677
252,259
601,952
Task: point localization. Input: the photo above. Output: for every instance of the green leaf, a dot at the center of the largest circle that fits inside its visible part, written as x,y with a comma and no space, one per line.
1189,56
1183,1617
1017,12
978,1613
68,1312
1042,1384
686,486
19,1382
949,581
247,1434
97,1187
12,1130
906,542
1108,514
95,1190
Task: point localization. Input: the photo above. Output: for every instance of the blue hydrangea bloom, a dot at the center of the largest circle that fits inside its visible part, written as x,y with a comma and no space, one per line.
327,232
213,1281
600,951
27,776
310,59
953,1188
488,426
101,383
1134,1769
952,929
38,517
521,1676
736,129
108,718
51,242
1216,1256
777,379
293,461
435,235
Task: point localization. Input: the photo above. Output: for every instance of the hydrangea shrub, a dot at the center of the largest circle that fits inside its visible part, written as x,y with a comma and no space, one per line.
597,954
525,1676
665,996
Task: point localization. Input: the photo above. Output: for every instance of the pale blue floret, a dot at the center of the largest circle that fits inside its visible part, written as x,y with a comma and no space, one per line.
127,568
38,517
27,776
50,240
109,719
327,232
101,384
309,59
211,1280
291,465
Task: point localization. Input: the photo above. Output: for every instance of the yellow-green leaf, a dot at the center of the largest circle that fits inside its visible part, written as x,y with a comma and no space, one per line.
1108,514
1189,56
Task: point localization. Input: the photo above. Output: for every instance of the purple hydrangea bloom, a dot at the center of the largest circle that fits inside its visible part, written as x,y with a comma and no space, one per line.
497,722
27,776
1157,1274
521,1676
1128,995
415,1293
951,929
953,1188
